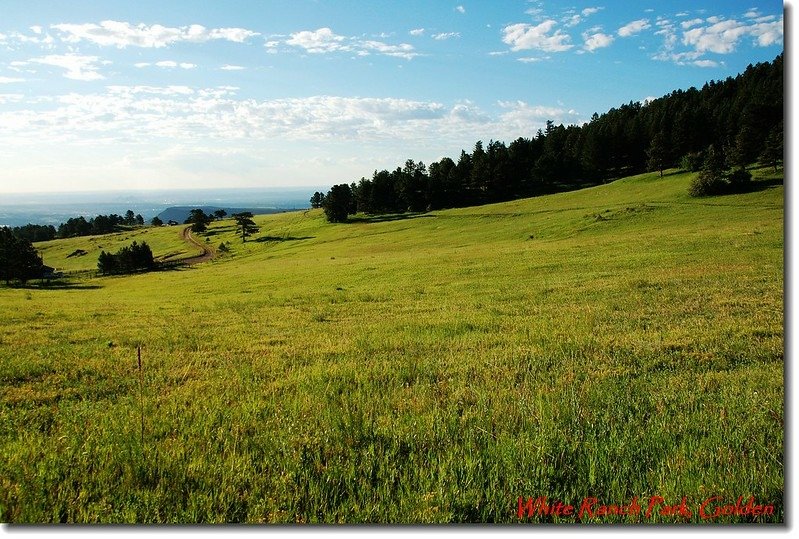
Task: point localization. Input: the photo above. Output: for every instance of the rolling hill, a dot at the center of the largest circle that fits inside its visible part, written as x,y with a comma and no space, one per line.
623,341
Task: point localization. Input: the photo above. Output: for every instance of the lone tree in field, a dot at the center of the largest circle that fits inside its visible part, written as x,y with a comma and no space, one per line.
220,214
198,220
245,225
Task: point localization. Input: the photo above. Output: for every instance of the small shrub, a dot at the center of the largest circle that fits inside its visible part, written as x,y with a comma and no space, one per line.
705,184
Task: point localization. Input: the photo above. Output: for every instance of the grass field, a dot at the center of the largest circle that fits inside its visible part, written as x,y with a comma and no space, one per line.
621,341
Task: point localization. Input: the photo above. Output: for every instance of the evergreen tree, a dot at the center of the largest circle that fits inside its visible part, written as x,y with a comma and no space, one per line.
337,203
19,259
245,225
316,200
710,180
773,150
199,220
658,153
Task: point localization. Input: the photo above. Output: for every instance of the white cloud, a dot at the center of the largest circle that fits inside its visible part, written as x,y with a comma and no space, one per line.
634,27
416,31
571,17
11,98
168,64
319,41
445,35
720,38
155,90
78,67
460,9
768,33
180,114
667,54
123,34
520,116
402,50
723,36
534,12
688,24
324,40
229,67
203,136
524,36
38,38
596,41
705,63
531,59
10,80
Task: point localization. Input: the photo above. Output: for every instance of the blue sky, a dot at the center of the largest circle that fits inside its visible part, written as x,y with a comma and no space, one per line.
177,94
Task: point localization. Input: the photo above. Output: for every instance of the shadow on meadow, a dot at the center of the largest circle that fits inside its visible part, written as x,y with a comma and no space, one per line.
263,239
388,217
53,285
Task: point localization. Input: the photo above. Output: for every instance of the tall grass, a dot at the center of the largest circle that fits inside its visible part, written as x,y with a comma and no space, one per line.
430,369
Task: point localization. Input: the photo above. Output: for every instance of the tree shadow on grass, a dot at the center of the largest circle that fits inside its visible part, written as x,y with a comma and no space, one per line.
177,265
264,239
217,231
763,184
387,217
754,186
54,285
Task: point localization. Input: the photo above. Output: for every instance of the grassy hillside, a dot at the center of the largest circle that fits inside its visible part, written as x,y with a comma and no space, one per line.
80,254
621,341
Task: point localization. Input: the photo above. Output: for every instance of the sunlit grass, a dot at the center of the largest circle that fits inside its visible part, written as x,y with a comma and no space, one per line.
621,341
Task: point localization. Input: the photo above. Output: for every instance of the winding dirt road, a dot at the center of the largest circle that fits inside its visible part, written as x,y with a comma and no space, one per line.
207,254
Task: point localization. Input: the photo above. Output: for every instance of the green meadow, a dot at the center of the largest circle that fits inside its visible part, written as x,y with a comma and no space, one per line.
618,342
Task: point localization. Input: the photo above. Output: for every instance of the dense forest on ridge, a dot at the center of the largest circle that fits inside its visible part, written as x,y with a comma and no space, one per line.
740,117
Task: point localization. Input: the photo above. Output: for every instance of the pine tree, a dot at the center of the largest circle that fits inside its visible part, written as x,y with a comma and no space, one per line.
245,225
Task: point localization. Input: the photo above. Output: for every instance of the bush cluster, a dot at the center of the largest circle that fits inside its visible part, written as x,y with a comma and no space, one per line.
136,257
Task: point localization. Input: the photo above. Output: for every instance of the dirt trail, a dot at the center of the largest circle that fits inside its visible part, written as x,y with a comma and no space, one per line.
207,254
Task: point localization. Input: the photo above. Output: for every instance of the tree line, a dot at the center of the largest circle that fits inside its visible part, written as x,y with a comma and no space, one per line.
78,226
740,118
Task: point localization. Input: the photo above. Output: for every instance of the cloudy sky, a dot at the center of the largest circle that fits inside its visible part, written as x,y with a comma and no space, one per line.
109,94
